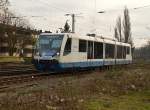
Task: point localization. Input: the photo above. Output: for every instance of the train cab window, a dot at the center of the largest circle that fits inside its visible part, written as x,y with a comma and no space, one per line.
82,45
67,49
110,51
128,50
98,50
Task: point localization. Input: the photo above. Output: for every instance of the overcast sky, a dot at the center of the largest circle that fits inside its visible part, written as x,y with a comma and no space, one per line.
53,11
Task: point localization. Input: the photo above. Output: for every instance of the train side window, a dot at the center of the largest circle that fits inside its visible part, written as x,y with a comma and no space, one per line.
90,50
110,51
128,50
124,52
67,49
82,45
119,52
98,50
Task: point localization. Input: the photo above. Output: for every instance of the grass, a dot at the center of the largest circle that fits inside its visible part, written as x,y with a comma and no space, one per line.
27,59
132,101
118,89
9,59
15,59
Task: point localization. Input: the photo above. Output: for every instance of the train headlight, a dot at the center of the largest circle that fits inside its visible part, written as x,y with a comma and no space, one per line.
57,53
43,54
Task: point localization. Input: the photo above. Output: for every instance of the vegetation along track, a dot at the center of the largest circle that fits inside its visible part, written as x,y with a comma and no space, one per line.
7,81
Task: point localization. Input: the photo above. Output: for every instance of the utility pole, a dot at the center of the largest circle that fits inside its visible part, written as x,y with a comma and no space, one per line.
73,23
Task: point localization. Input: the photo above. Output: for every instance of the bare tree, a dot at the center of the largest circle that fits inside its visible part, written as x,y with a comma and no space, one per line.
3,7
12,39
9,30
20,35
15,28
127,27
116,33
3,3
66,27
119,29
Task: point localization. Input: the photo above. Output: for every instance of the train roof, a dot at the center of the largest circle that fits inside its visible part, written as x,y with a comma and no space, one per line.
90,38
54,33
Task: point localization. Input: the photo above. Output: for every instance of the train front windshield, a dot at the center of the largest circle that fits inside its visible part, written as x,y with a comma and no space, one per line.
49,45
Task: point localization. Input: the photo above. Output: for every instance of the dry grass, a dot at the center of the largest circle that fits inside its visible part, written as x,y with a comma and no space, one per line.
120,89
9,59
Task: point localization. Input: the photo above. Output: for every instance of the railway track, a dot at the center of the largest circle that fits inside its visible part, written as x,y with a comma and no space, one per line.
11,69
17,73
8,81
12,72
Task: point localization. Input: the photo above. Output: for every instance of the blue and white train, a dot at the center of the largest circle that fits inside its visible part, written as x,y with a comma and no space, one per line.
58,52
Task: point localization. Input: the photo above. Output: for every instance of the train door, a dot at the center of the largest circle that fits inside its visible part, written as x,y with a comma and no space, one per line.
90,53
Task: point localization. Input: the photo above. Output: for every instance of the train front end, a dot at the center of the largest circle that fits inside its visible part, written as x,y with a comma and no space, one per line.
47,52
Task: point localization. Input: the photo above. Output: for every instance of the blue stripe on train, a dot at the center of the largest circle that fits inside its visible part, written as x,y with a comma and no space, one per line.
123,62
82,64
92,63
61,66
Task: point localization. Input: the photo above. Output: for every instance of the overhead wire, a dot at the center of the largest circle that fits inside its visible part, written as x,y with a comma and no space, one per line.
142,7
53,6
66,11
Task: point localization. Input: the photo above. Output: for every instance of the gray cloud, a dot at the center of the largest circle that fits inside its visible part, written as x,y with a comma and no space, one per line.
53,15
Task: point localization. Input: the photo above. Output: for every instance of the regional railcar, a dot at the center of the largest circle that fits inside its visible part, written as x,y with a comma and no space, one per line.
58,52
